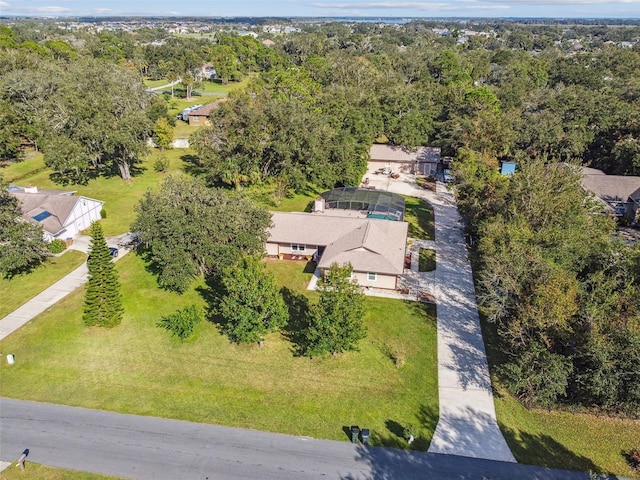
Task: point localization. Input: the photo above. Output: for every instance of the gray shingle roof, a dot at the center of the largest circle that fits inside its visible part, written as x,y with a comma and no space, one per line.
370,245
611,188
393,153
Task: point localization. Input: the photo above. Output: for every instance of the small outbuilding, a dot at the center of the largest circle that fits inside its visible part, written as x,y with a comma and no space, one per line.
200,116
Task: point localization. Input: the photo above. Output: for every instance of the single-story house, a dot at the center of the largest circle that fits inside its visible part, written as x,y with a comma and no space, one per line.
60,213
375,248
619,193
200,116
419,161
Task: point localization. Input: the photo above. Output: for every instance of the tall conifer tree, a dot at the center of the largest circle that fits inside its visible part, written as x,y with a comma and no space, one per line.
102,299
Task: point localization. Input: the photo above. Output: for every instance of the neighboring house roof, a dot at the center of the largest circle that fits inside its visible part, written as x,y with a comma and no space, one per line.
369,245
394,153
613,188
206,110
48,208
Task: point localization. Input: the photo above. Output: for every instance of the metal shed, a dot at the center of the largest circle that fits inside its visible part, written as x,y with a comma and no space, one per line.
377,204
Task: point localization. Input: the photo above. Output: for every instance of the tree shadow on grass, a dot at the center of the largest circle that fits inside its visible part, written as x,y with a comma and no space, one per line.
212,294
425,309
393,438
298,306
427,417
632,457
193,165
544,450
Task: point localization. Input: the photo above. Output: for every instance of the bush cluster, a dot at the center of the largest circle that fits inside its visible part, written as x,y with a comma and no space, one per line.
57,246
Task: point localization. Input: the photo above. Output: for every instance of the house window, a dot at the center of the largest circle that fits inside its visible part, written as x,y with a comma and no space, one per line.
296,247
196,118
372,276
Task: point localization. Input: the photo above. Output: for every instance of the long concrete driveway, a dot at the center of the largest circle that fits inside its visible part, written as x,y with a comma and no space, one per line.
467,424
148,448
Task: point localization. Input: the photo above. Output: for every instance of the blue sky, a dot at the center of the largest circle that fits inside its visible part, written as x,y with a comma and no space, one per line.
328,8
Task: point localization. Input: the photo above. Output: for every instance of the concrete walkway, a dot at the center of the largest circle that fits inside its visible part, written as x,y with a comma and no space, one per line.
57,291
467,425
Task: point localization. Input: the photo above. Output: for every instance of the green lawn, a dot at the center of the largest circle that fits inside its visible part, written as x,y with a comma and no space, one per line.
208,87
155,83
427,260
567,440
555,439
138,368
294,202
119,196
41,472
183,129
21,288
16,172
419,214
218,87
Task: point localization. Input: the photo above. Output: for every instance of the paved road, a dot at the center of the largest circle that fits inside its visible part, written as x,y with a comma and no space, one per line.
160,87
155,449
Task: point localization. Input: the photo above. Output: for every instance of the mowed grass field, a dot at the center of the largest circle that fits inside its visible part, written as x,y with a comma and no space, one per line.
17,290
120,196
567,440
42,472
574,441
139,368
419,214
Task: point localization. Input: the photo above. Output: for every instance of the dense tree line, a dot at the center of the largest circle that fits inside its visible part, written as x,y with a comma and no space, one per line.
21,244
86,115
564,294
